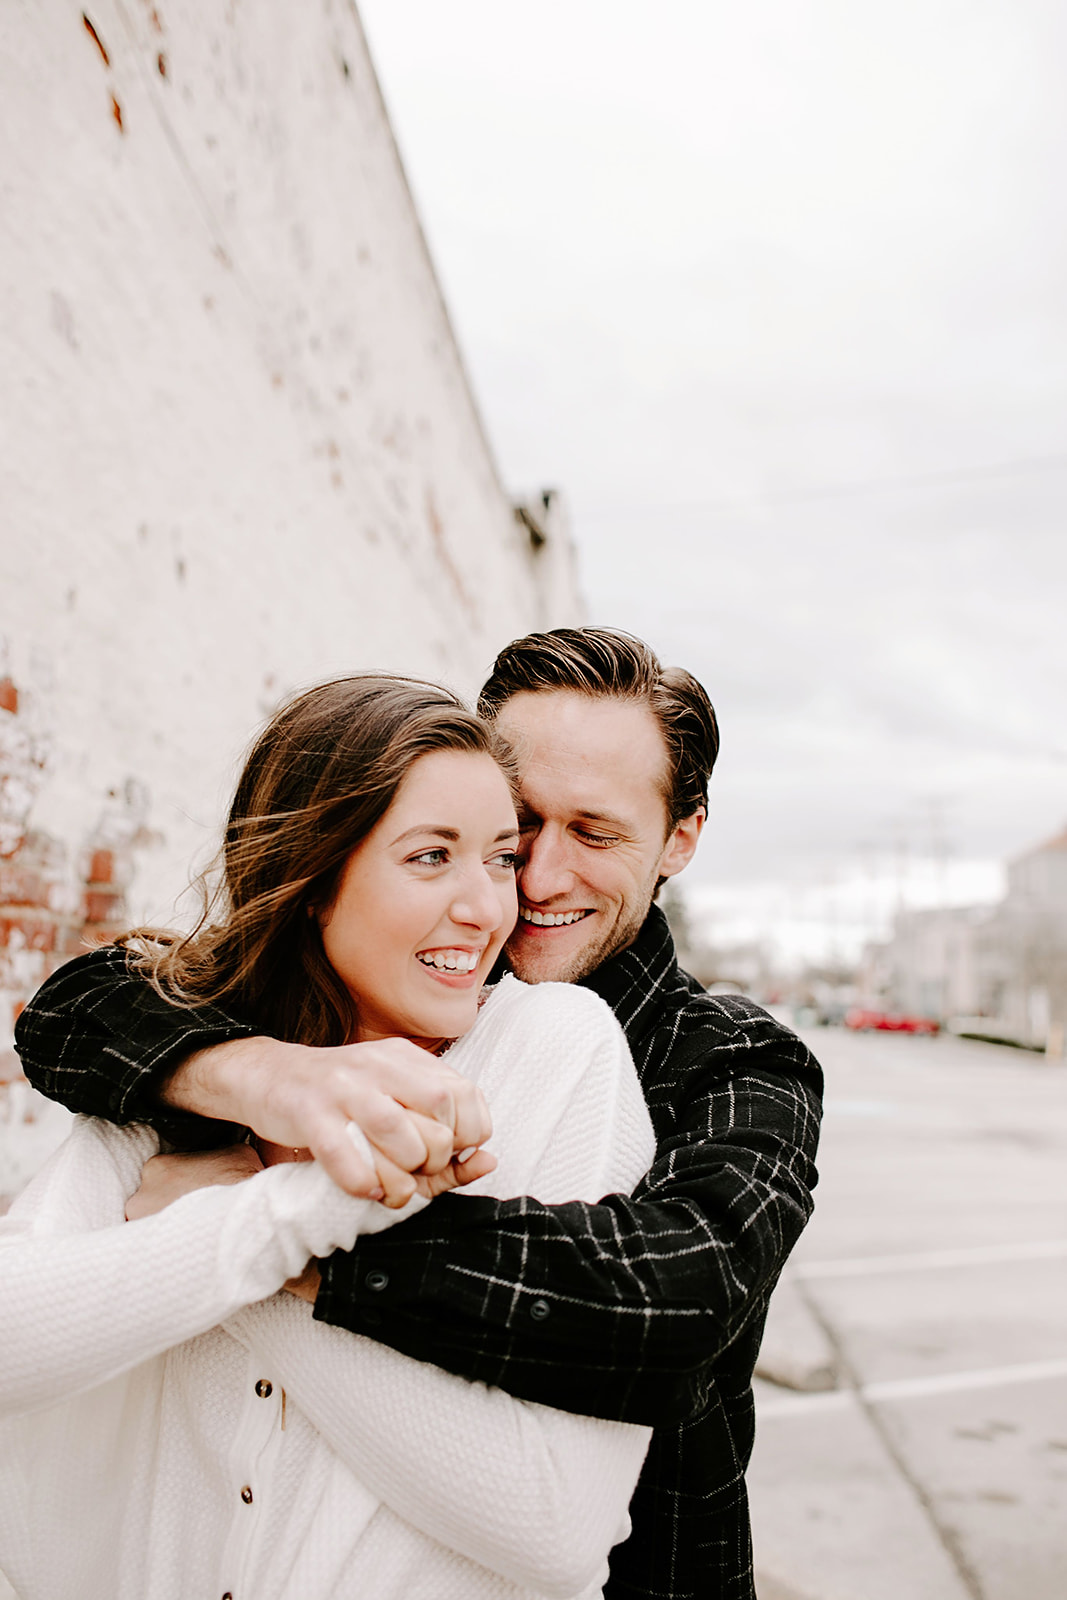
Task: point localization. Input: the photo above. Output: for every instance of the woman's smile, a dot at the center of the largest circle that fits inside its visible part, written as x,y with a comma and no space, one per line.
451,963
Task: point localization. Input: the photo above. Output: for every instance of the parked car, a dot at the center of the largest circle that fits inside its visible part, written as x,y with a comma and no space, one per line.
863,1021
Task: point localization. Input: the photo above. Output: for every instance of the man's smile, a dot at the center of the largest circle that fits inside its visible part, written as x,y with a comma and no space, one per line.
553,919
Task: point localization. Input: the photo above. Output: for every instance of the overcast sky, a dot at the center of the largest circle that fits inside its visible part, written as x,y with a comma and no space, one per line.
777,295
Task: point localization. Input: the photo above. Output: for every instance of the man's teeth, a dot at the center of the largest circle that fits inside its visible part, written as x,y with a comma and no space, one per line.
451,960
550,919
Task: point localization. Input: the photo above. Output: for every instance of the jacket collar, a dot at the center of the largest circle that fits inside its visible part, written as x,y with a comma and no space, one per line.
633,981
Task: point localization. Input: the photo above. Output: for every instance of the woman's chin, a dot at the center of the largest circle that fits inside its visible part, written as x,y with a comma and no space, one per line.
447,1019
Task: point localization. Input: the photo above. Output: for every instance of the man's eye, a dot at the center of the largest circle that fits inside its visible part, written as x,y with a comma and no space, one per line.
594,838
429,858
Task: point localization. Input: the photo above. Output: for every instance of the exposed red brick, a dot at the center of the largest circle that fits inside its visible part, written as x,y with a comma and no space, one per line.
102,904
9,695
38,933
21,886
101,867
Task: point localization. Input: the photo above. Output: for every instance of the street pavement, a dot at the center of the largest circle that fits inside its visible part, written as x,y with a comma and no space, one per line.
921,1452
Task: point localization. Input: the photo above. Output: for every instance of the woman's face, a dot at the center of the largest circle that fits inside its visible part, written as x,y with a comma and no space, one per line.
426,901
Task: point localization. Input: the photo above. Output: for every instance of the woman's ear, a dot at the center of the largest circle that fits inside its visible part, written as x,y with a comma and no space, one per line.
681,845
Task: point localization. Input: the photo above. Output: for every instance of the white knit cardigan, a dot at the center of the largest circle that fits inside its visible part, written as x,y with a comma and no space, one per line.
174,1427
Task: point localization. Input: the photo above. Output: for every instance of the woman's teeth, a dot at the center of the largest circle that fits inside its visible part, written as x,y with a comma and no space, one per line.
550,919
462,961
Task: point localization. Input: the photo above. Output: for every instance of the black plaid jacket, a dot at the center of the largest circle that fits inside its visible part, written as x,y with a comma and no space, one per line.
646,1308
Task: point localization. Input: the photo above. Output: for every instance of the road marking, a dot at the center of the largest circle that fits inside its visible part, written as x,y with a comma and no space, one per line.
913,1388
932,1260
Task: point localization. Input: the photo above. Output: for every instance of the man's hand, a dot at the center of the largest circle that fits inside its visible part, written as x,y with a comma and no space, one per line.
165,1179
415,1111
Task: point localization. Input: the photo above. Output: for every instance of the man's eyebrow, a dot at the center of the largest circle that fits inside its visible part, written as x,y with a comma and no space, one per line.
604,817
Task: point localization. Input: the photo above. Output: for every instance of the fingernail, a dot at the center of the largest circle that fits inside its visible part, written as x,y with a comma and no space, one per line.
376,1194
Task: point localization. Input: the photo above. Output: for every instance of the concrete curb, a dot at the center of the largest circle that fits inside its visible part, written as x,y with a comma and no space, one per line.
795,1353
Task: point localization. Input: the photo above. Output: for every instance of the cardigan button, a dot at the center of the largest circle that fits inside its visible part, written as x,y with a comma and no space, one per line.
227,1595
246,1495
377,1281
539,1310
264,1388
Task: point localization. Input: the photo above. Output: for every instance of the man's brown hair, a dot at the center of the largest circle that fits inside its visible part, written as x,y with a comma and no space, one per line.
609,662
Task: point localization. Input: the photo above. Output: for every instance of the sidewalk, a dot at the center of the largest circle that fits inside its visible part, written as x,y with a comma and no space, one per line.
931,1287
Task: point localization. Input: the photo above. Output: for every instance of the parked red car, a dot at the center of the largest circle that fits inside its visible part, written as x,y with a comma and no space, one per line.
861,1021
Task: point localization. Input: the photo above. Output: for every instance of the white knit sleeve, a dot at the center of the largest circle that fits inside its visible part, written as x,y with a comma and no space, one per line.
535,1494
85,1295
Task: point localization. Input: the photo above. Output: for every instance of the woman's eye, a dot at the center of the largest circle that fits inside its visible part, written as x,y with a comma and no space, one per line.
508,859
429,858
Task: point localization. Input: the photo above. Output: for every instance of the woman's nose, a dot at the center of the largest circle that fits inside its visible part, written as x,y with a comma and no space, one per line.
478,904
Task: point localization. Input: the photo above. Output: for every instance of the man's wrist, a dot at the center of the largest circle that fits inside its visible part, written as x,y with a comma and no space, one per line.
210,1082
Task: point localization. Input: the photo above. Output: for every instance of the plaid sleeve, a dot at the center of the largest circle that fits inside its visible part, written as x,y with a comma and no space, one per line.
99,1039
613,1309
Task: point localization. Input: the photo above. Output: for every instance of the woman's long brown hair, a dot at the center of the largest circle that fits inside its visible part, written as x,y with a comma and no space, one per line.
317,780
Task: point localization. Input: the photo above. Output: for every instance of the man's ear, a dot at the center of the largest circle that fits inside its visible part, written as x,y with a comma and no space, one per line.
680,847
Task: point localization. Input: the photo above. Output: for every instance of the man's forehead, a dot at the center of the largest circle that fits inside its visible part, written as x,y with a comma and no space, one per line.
600,756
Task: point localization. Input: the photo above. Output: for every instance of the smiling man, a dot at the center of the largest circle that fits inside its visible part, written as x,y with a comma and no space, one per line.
643,1308
598,835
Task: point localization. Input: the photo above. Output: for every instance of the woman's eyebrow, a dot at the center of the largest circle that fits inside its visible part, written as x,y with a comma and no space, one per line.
432,829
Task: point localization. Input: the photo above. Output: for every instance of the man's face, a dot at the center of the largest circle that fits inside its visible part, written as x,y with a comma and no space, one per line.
594,829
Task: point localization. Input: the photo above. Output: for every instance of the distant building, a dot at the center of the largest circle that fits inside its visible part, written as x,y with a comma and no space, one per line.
241,452
999,969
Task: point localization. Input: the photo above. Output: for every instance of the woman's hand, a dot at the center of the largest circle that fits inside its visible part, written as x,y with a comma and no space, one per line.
453,1176
165,1179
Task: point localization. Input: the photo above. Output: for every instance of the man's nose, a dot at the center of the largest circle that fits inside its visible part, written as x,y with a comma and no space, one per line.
546,871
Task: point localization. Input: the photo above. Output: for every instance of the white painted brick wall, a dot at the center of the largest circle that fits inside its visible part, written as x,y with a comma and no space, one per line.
239,450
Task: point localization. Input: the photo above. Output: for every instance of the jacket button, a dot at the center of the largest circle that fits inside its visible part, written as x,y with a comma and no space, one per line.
246,1495
377,1281
371,1317
264,1388
539,1310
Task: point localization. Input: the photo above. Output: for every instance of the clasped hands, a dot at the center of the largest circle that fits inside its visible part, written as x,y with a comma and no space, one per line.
424,1122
